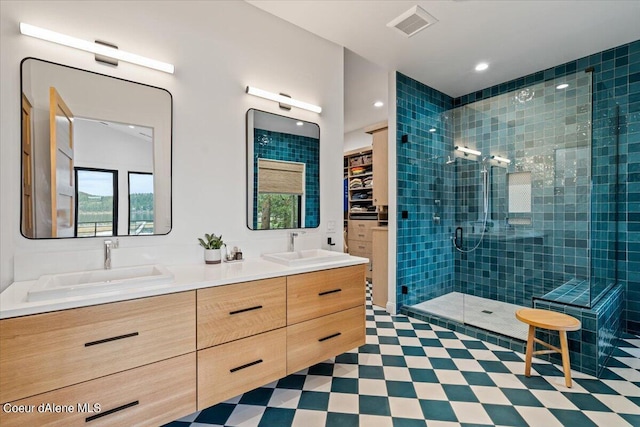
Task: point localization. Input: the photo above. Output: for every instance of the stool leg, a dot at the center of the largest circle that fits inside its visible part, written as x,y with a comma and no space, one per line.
566,365
527,366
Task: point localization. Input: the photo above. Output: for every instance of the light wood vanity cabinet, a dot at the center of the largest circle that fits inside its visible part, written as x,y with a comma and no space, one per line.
323,292
325,315
153,360
150,395
241,338
47,351
319,339
230,369
227,313
135,358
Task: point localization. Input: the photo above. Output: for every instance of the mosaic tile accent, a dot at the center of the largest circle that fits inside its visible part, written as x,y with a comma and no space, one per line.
292,148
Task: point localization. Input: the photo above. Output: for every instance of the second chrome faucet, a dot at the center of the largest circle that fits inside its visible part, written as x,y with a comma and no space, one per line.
292,239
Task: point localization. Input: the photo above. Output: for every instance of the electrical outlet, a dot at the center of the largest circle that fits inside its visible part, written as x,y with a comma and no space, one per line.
331,226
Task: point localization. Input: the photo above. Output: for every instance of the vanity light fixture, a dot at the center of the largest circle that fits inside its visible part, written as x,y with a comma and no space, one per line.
432,130
562,86
468,150
482,66
378,104
501,159
96,48
283,99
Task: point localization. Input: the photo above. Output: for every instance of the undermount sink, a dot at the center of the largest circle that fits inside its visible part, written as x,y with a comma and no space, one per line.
306,257
53,286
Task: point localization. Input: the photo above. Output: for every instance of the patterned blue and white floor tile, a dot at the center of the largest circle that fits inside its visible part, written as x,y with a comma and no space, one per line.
414,374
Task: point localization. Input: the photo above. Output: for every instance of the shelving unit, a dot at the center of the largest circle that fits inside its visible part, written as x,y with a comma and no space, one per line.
358,170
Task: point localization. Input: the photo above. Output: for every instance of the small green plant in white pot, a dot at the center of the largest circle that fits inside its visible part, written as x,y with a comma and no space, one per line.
212,245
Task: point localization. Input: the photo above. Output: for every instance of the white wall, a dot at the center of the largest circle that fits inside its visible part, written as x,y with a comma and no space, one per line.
357,139
218,49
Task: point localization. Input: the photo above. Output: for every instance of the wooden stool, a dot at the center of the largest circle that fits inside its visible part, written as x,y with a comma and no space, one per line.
553,321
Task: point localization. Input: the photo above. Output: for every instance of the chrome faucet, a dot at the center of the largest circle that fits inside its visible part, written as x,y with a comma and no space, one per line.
108,245
292,239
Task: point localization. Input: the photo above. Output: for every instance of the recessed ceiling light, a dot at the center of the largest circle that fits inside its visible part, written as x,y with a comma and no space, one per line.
482,66
132,127
299,123
562,86
378,104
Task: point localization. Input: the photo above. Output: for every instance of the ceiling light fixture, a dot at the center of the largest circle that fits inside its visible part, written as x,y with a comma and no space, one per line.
562,86
482,66
299,123
468,150
283,99
95,48
378,104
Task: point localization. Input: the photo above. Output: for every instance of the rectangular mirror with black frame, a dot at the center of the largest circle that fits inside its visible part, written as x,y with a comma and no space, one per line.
283,172
96,154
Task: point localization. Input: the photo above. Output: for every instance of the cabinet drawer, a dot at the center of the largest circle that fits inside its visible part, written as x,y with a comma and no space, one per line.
151,395
323,292
231,312
227,370
360,230
47,351
360,248
316,340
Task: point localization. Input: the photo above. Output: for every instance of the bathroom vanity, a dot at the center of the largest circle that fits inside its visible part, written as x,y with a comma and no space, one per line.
214,333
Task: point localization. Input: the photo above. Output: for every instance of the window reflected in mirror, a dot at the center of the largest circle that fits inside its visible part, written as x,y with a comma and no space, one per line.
140,203
96,202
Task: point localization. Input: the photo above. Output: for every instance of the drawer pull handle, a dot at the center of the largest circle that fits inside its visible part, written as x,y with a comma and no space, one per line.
245,366
111,411
119,337
361,235
257,307
361,247
333,291
337,334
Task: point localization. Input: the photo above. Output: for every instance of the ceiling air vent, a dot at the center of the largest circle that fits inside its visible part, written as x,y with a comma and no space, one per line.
412,21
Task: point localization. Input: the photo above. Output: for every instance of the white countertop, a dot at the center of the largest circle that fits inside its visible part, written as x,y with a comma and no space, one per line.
13,300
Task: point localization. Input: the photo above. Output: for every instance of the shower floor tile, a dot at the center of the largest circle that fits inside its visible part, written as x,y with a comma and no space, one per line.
496,316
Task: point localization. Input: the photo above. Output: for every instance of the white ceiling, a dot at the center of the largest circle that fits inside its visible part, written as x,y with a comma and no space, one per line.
515,37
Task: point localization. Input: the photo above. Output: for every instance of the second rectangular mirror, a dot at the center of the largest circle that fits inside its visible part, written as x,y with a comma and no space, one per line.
283,172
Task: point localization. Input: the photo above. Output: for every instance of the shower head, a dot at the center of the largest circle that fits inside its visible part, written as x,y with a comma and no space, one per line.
450,160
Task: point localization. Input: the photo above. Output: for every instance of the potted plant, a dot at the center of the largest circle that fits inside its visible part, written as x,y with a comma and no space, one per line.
212,244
